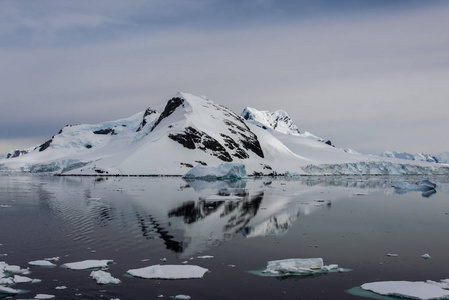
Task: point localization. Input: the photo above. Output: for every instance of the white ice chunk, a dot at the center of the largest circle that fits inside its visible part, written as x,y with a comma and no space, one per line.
15,269
169,272
42,263
184,297
8,291
426,256
205,257
224,171
62,287
409,289
44,296
297,266
88,264
392,254
22,279
294,265
6,281
102,277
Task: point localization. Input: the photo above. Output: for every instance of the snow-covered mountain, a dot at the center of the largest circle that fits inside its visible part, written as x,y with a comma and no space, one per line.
410,156
278,120
188,130
442,158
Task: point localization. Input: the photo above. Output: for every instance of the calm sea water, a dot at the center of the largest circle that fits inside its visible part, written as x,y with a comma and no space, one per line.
137,222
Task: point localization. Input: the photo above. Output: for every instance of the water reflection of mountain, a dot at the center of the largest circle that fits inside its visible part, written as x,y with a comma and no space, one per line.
194,216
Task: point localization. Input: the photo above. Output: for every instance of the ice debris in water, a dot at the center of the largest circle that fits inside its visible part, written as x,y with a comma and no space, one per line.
205,257
169,272
41,263
392,254
88,264
425,256
225,171
407,289
8,291
44,296
297,266
5,268
183,297
102,277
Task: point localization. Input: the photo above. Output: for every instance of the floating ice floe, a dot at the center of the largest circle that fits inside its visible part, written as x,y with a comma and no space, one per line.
407,289
8,291
182,297
225,171
392,254
169,272
88,264
12,269
205,257
425,256
41,263
297,267
22,279
102,277
44,296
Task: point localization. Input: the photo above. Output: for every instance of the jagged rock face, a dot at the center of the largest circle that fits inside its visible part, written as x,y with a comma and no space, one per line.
277,120
193,139
45,145
105,131
147,113
171,106
16,153
234,140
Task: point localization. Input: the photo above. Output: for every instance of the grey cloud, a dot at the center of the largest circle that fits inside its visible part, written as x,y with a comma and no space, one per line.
368,83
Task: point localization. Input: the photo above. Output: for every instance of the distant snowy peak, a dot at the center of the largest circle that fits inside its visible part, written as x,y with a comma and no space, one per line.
277,120
410,156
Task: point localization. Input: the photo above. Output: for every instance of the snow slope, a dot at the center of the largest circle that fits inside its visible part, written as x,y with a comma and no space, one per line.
188,130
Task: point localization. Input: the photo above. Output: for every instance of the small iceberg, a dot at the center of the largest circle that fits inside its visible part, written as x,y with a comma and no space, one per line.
44,296
102,277
88,264
8,291
169,272
225,171
297,267
41,263
407,289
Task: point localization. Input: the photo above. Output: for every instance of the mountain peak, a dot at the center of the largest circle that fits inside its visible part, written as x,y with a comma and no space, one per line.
278,120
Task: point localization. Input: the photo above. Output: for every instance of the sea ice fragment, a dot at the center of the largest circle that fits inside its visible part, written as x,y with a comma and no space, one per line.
8,291
297,266
41,263
88,264
408,289
44,296
169,272
102,277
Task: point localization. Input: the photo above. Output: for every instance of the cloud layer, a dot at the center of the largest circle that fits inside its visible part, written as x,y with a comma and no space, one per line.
366,78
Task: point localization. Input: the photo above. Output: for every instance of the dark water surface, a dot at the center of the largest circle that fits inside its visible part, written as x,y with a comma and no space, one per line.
138,222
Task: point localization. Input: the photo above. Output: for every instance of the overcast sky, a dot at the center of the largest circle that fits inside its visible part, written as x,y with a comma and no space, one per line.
368,75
